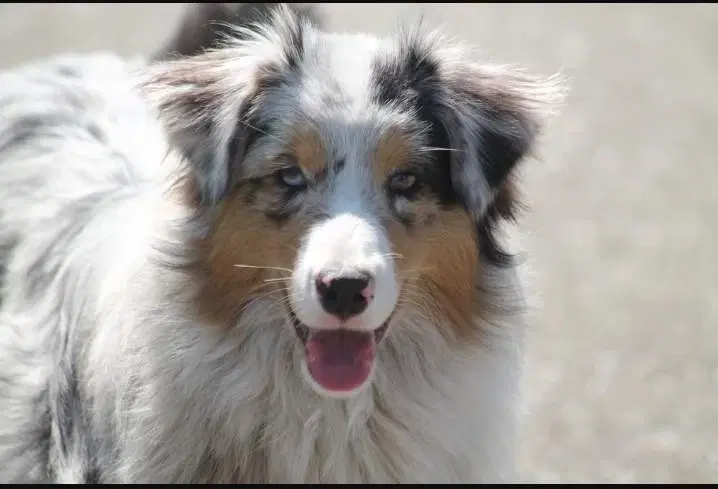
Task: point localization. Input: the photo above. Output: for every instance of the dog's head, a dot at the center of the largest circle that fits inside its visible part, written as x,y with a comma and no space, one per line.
358,178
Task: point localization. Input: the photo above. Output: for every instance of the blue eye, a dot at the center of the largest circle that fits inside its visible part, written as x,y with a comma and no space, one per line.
403,183
292,177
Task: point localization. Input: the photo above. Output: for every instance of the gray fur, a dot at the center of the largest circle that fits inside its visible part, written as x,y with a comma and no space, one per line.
106,372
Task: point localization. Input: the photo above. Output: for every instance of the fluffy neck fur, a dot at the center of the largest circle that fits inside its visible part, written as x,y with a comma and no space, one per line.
160,397
233,402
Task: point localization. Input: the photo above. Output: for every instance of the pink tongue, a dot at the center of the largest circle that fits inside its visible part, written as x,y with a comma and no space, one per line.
340,360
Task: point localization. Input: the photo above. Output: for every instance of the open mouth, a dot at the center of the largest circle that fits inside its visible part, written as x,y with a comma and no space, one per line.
339,360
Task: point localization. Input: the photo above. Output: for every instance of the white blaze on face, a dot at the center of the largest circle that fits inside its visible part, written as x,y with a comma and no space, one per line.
349,243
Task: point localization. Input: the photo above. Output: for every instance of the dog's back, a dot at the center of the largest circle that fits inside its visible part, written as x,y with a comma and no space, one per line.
67,132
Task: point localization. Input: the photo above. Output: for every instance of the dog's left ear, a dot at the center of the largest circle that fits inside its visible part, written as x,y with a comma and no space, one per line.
208,102
493,119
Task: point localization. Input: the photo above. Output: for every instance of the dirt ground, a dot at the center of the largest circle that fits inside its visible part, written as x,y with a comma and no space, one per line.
621,382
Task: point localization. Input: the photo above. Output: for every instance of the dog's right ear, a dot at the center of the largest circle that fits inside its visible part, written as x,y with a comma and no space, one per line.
209,103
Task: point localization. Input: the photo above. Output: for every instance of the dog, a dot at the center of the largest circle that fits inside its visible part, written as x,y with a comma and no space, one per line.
269,254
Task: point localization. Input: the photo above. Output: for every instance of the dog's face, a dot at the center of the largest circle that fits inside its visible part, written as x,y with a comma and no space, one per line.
352,179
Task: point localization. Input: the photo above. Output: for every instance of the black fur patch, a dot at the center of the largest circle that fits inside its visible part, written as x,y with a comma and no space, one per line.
503,144
339,165
412,80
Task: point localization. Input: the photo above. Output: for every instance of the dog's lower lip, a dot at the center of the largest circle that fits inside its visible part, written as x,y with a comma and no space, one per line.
303,331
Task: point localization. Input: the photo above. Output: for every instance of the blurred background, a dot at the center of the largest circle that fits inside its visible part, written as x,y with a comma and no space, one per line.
621,381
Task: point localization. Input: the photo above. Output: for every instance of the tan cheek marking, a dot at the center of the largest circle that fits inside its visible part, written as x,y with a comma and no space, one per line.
421,211
441,261
307,147
243,236
392,152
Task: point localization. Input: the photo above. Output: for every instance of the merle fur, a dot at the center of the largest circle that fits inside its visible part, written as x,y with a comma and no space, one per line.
492,138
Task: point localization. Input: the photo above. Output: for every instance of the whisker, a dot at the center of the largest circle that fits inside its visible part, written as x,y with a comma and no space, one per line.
279,300
417,300
277,279
427,149
415,293
392,255
281,269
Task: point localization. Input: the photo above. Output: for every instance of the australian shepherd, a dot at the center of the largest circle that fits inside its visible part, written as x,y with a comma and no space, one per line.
269,254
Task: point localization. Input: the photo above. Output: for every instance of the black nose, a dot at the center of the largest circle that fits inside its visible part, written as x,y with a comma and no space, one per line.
345,297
